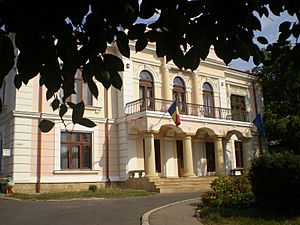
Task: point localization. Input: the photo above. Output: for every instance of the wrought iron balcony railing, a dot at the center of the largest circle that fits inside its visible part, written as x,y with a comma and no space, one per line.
161,105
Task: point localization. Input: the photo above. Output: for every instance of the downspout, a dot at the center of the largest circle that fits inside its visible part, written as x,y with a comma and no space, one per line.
107,137
256,113
39,143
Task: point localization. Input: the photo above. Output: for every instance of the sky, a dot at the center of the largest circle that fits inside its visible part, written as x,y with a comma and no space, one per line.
270,31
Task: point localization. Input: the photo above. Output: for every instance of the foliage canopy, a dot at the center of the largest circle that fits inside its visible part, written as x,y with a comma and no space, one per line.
78,34
280,78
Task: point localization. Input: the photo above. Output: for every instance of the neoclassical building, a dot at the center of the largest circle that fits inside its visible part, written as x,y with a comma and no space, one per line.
134,132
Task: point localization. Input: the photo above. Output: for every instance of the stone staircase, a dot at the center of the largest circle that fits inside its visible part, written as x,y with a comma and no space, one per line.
171,185
182,184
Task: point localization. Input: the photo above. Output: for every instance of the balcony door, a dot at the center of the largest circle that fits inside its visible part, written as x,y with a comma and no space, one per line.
238,107
179,94
180,163
208,100
146,91
210,157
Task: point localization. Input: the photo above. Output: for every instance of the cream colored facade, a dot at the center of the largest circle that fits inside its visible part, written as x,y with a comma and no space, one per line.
138,139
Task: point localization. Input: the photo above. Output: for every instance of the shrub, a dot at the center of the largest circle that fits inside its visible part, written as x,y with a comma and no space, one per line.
229,192
275,180
93,187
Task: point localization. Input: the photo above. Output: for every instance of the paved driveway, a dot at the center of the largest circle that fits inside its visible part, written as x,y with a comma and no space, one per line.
84,212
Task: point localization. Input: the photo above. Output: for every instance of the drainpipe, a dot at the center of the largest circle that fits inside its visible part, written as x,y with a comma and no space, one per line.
256,113
107,137
39,143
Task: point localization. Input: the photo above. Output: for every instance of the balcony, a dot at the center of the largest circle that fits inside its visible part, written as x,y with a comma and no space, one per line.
161,105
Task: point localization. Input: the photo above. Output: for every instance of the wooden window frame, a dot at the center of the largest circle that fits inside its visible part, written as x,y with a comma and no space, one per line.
238,107
177,91
70,143
209,111
146,83
79,96
238,150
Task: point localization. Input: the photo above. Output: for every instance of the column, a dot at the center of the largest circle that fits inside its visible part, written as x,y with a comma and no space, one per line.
247,153
166,92
188,157
219,156
227,155
149,155
195,85
170,163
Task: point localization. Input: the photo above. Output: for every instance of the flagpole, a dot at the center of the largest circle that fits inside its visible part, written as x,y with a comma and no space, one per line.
160,119
162,116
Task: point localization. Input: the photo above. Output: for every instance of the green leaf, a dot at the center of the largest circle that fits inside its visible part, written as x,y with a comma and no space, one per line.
179,59
192,59
223,51
6,55
49,94
284,26
104,78
141,44
136,31
71,104
18,81
123,44
62,110
253,22
28,65
147,9
296,30
55,104
116,79
46,125
78,112
93,88
113,63
262,40
86,122
242,50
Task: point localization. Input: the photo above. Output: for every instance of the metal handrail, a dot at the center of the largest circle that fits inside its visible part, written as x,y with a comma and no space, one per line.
162,105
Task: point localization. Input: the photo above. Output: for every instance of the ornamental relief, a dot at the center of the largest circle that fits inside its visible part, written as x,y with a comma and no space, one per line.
138,67
213,82
238,90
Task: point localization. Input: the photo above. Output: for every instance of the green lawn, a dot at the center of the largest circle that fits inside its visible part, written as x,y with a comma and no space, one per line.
100,193
214,216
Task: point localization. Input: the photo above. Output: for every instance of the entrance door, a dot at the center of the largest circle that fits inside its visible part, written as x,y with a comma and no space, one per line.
157,156
210,157
179,146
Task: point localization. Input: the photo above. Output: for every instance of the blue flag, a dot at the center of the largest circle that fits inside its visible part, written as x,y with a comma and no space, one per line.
258,122
174,112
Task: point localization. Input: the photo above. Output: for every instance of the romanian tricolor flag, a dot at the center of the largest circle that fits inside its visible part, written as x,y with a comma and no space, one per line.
174,112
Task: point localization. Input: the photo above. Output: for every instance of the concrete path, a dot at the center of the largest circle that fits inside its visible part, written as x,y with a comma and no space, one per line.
181,213
85,212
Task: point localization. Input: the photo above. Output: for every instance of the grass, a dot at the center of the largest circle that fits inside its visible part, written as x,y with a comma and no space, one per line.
214,216
99,193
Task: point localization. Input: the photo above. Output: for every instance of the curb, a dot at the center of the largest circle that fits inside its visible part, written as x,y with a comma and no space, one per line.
145,217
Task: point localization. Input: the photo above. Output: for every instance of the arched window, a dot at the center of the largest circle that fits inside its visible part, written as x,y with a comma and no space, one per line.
208,100
146,90
179,94
82,90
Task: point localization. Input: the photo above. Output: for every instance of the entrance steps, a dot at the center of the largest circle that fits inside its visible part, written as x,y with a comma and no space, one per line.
182,184
171,185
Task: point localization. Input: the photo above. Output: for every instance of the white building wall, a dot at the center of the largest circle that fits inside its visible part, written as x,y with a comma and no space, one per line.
22,149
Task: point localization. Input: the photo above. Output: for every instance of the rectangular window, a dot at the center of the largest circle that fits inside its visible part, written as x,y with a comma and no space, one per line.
238,108
238,154
76,151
